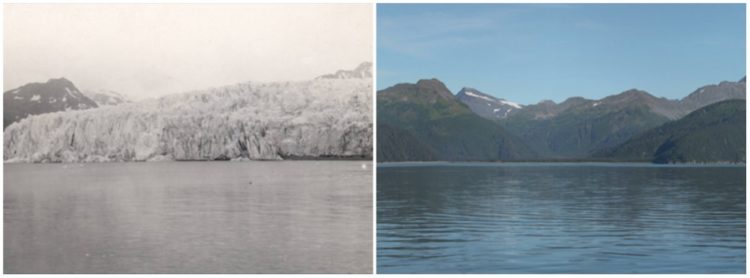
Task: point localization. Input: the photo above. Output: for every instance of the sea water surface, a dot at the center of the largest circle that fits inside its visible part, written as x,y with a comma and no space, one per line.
188,217
560,218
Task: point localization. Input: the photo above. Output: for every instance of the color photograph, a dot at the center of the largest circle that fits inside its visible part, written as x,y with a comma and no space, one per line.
561,138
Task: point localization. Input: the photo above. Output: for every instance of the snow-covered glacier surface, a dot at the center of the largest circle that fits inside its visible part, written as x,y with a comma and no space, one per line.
259,121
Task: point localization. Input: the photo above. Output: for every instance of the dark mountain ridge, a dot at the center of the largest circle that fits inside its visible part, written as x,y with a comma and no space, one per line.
424,121
575,129
578,127
715,133
38,98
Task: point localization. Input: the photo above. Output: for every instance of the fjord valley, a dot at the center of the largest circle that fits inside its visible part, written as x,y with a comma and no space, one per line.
561,139
581,187
426,122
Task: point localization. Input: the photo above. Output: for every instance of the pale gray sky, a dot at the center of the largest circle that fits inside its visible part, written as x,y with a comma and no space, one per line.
149,50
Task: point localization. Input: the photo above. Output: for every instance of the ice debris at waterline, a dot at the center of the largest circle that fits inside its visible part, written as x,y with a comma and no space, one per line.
263,121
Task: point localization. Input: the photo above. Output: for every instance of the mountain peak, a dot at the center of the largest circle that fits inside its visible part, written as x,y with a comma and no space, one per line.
631,94
435,86
363,70
714,93
634,91
576,98
572,101
487,106
432,83
57,94
547,102
476,93
61,82
431,89
364,66
469,89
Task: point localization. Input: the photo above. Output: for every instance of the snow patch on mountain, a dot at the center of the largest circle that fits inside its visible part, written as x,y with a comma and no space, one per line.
480,96
516,105
495,100
38,98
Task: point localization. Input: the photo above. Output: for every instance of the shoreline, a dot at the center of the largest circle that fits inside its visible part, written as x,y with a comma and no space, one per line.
555,163
353,158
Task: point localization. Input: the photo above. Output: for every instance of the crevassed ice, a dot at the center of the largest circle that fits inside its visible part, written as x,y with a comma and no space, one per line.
322,117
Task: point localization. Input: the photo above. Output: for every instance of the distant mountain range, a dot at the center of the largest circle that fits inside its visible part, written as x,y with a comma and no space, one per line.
324,118
715,133
575,129
364,70
425,121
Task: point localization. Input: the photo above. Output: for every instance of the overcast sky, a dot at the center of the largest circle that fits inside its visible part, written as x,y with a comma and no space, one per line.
150,50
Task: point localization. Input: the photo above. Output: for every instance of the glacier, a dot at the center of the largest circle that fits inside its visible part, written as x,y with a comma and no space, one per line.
319,118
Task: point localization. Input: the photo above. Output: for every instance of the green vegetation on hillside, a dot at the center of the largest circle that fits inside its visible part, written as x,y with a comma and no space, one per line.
715,133
396,144
426,120
579,131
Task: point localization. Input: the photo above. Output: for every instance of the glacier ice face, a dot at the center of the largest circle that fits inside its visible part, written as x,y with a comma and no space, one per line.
262,121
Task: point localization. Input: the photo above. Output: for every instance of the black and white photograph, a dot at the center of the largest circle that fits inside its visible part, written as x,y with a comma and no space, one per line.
188,138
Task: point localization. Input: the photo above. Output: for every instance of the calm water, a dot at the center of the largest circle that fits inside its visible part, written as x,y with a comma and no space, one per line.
188,217
560,218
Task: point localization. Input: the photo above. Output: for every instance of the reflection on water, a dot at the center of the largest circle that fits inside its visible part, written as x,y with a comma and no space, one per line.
560,218
188,217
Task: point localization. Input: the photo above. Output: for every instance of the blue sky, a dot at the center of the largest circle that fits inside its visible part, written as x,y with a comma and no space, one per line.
531,52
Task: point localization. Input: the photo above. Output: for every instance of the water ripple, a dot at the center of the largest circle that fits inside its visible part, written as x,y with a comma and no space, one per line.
549,219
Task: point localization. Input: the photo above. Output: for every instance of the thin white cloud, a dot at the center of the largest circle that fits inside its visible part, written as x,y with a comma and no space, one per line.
420,34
